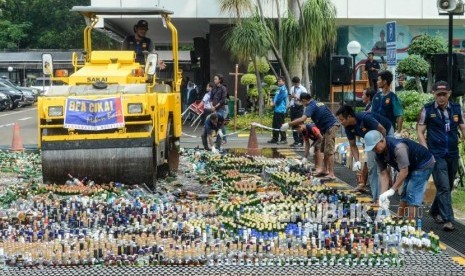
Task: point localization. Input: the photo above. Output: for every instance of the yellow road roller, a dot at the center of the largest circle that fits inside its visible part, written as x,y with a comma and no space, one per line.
113,120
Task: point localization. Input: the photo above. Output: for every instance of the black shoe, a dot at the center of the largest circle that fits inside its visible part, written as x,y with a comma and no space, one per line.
448,226
437,219
282,142
272,142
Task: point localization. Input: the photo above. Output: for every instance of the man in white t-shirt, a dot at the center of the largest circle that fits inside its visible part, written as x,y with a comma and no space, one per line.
296,108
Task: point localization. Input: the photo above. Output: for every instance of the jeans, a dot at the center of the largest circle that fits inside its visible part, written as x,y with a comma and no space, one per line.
373,175
206,146
444,173
415,186
222,112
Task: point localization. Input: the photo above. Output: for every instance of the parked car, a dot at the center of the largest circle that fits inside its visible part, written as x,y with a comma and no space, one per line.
33,90
15,95
28,98
43,84
5,101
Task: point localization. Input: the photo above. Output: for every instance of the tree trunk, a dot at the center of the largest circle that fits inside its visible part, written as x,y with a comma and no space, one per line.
275,50
429,87
306,73
419,86
259,87
296,63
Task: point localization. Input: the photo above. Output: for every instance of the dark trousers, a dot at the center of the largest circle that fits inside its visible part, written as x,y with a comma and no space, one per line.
206,146
373,84
295,112
444,173
278,120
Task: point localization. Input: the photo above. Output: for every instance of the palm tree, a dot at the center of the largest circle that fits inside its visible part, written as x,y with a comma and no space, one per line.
314,33
236,7
248,41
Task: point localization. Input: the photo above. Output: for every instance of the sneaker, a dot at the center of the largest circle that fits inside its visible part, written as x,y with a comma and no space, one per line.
272,141
282,142
448,226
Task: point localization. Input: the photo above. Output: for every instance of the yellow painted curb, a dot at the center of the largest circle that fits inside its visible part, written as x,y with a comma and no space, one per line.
459,260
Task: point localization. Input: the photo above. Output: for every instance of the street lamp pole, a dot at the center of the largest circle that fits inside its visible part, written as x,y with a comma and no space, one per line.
353,77
354,49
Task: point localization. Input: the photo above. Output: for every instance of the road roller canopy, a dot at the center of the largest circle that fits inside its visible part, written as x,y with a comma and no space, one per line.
89,11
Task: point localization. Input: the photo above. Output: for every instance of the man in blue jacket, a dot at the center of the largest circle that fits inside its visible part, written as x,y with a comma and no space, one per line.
442,120
280,105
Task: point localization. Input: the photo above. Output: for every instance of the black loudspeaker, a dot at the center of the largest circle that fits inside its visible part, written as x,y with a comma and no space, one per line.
458,72
341,70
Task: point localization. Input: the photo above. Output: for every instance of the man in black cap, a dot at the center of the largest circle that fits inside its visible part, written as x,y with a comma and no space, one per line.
139,42
442,120
372,67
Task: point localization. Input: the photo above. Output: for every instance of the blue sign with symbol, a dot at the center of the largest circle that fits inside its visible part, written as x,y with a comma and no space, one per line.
391,44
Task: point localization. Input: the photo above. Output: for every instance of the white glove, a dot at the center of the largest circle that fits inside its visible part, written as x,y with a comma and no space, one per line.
304,161
384,197
397,135
357,166
220,133
214,150
284,127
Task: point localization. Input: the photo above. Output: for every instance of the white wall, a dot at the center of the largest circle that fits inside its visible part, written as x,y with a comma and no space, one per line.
184,8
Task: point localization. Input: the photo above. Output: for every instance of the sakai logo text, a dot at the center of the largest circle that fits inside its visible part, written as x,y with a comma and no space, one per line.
94,79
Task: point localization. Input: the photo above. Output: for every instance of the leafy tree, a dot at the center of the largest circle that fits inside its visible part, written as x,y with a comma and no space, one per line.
427,46
250,79
45,24
236,7
414,66
12,34
248,41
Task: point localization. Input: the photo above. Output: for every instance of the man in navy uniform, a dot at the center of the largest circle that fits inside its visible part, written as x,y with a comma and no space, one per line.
358,124
139,42
441,120
413,162
327,123
212,134
372,67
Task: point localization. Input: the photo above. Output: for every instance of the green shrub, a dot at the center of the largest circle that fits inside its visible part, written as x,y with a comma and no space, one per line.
413,102
244,121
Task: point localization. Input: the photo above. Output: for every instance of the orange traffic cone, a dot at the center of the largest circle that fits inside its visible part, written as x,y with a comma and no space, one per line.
17,143
252,146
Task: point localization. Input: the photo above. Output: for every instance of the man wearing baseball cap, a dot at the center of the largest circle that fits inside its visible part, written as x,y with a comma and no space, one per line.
138,42
441,119
413,162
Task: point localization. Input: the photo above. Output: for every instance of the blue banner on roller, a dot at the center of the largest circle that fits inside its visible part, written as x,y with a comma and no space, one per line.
98,114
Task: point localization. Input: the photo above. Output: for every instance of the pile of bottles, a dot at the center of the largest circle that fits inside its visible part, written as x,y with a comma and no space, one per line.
306,223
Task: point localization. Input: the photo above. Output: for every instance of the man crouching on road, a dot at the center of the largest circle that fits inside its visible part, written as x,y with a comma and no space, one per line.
413,162
213,124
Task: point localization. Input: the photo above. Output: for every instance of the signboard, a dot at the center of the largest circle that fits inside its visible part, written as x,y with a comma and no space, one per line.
391,44
94,114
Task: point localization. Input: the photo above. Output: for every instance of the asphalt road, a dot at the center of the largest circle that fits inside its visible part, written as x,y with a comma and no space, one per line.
26,118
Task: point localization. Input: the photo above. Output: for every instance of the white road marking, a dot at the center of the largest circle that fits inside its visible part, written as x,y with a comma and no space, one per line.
24,119
6,125
17,112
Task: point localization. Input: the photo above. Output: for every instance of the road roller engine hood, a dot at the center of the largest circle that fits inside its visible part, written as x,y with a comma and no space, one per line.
98,88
